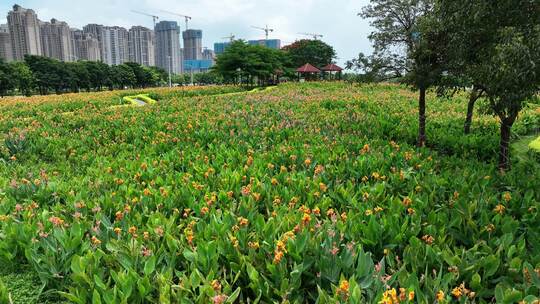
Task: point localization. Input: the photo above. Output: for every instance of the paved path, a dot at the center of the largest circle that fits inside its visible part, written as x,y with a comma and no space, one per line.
139,102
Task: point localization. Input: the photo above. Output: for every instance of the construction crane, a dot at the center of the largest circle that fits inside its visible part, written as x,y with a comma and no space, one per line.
265,29
315,36
154,18
187,18
230,37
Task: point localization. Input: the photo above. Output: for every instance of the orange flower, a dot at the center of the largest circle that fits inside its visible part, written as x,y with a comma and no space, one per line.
428,239
204,210
56,221
499,209
278,255
242,221
306,219
119,215
95,241
343,289
407,201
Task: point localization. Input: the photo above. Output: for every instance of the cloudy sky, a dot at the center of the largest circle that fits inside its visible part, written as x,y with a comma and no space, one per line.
337,20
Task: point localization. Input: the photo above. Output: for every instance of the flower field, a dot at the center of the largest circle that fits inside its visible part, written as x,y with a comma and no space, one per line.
307,193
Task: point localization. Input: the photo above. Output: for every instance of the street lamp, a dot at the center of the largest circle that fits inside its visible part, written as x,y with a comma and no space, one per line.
239,70
170,68
190,67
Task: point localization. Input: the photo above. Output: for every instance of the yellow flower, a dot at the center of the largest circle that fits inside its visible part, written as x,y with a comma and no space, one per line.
411,295
307,162
253,245
457,292
499,209
507,196
440,295
216,285
306,219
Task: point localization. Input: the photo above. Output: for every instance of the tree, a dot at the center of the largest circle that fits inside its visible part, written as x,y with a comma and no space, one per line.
405,44
99,74
376,68
122,76
6,78
241,61
23,78
315,52
496,44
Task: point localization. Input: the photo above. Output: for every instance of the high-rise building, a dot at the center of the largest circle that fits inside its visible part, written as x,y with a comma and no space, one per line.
24,32
220,47
141,46
168,52
56,40
85,46
198,66
208,54
96,31
192,44
115,45
6,52
269,43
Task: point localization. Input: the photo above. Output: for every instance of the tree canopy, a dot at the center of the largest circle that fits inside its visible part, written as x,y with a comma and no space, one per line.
495,46
249,62
315,52
45,75
406,45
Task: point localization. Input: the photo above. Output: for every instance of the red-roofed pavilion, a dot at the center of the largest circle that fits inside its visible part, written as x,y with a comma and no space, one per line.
333,70
308,70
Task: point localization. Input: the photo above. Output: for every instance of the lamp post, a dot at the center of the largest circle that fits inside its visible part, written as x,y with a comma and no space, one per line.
170,68
239,70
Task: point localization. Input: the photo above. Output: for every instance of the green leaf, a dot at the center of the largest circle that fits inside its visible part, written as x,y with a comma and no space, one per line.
96,299
233,296
150,265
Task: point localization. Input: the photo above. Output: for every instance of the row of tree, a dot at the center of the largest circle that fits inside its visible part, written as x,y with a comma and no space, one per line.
244,63
491,48
44,75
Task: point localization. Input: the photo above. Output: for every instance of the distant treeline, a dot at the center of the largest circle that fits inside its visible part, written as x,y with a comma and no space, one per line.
42,75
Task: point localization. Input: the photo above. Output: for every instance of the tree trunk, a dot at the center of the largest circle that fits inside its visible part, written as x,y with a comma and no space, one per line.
470,110
422,118
504,149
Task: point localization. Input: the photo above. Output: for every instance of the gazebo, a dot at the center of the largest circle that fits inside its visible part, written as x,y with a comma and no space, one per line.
307,70
333,70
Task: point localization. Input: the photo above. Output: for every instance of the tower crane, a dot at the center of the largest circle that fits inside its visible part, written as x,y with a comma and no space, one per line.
230,37
265,29
154,18
315,36
187,18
